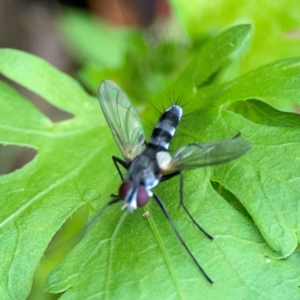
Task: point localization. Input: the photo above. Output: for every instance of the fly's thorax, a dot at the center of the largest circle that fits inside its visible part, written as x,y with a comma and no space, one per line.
166,127
144,169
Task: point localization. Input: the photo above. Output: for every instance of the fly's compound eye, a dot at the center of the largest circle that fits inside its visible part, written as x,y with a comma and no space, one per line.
125,188
142,196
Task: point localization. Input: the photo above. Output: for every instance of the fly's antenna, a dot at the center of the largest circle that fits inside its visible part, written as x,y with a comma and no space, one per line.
164,209
68,244
100,212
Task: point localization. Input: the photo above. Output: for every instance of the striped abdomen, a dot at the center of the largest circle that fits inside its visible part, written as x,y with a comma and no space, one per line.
166,126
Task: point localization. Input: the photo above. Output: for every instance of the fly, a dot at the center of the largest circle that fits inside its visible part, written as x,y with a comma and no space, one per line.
149,163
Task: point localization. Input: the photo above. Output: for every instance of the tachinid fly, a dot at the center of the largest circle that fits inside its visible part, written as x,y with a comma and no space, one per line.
149,163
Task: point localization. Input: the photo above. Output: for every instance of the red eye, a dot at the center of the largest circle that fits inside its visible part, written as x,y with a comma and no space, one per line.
125,188
142,196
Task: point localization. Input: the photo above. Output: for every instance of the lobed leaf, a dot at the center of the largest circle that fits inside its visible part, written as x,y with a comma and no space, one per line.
129,256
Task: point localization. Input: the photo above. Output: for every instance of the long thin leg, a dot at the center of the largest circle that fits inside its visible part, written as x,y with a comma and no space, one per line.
100,212
163,208
232,138
169,176
187,211
117,160
237,135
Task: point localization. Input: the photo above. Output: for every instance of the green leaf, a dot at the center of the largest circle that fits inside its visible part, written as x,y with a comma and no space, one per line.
37,199
93,40
212,58
126,255
275,25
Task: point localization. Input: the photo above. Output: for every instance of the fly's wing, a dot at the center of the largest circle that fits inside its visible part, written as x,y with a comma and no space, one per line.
122,119
201,155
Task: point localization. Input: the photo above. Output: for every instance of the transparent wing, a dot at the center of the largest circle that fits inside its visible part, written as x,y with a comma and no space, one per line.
122,119
201,155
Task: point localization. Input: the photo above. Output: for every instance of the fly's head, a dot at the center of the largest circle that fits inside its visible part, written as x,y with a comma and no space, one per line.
134,196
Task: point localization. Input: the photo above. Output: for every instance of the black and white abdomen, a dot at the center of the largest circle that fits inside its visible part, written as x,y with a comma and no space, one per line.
166,127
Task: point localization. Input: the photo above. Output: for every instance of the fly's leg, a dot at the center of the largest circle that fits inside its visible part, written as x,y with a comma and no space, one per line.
236,136
100,212
169,176
164,209
232,138
117,161
187,211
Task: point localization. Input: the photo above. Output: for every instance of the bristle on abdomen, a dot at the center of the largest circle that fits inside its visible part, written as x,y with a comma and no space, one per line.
166,127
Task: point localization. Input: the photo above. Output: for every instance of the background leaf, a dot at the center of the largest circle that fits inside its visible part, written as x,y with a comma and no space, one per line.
275,25
79,31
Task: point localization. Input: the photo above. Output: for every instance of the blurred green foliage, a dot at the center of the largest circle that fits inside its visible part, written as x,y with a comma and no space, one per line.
250,206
